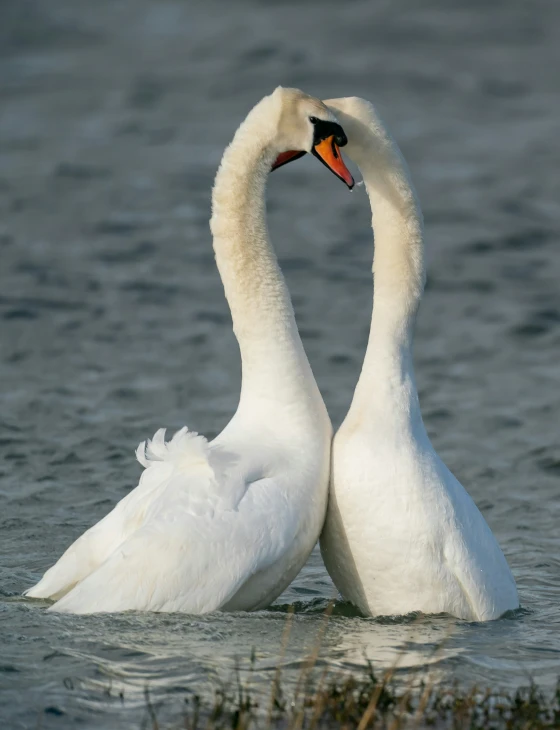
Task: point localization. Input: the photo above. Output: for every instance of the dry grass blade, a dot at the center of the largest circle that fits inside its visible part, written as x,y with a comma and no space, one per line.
317,701
423,703
427,691
369,712
274,690
308,666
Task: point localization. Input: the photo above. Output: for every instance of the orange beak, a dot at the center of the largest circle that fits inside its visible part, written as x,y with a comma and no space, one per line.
329,153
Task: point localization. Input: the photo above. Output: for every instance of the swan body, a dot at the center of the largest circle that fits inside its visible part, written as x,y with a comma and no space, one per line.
401,534
225,524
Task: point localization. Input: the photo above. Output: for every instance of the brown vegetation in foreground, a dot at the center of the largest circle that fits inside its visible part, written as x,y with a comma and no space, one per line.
368,701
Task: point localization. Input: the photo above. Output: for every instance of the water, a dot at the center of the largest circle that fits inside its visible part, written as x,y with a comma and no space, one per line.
113,119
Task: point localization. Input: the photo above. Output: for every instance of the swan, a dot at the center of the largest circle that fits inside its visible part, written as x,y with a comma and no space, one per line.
401,534
227,524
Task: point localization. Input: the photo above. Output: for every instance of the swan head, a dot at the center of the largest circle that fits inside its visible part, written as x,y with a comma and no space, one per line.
305,125
371,144
362,122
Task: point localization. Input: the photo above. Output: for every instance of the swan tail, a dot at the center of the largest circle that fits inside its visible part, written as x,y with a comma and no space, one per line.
184,450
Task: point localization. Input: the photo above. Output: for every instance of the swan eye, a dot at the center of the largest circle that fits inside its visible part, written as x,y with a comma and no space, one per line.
313,120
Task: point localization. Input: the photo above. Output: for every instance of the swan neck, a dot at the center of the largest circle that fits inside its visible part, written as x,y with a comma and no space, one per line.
398,271
274,365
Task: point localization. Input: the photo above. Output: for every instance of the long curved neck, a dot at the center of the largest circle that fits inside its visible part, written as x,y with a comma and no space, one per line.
387,377
274,364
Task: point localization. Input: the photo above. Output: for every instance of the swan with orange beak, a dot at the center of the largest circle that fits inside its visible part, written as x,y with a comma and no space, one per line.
228,523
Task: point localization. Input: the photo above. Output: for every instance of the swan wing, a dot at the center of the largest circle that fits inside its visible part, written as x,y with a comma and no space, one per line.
175,562
182,474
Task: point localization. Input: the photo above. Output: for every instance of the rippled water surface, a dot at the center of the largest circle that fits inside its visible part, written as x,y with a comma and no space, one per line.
113,117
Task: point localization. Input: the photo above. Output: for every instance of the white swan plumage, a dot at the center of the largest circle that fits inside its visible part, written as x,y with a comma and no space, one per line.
227,524
401,533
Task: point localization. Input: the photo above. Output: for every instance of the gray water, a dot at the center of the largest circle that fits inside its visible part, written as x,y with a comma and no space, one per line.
113,118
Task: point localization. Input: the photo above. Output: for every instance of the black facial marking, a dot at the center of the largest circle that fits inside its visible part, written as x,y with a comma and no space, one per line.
325,129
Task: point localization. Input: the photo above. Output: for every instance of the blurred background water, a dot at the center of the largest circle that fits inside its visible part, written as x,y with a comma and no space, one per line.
113,118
